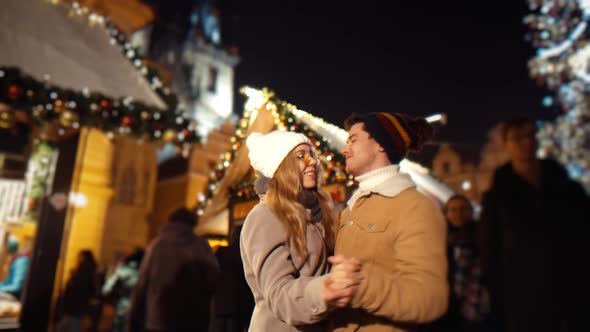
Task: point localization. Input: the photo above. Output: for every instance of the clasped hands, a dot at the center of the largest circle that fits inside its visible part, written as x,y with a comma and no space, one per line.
343,281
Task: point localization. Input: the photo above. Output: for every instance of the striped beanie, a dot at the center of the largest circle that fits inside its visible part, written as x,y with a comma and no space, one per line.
392,131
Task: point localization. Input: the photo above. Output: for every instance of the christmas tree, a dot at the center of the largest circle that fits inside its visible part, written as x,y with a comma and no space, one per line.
560,33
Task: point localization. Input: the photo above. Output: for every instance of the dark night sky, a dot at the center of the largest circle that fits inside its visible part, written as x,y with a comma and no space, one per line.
462,57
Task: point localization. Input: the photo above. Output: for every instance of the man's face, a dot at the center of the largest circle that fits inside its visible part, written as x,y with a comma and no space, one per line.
521,143
360,151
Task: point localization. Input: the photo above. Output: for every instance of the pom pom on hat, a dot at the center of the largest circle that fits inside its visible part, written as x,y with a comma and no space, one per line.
266,152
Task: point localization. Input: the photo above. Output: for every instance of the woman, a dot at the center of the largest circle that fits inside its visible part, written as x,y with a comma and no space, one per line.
288,236
79,290
468,302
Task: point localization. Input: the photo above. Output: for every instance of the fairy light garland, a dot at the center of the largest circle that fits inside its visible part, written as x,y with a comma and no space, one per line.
284,119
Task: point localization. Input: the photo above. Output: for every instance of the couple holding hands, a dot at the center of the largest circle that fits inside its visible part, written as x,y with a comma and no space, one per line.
379,266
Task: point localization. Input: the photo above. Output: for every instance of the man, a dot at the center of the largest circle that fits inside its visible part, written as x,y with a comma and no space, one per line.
177,279
530,238
396,232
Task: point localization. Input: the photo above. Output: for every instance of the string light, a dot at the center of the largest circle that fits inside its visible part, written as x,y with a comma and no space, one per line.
286,117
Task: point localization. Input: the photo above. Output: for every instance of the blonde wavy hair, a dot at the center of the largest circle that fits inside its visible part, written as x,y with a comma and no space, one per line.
283,199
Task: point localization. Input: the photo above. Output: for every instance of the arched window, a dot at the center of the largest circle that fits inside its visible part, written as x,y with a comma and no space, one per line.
127,186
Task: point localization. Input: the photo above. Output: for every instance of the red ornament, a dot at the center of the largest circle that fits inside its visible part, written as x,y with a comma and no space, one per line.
126,121
59,106
187,134
159,126
106,104
15,92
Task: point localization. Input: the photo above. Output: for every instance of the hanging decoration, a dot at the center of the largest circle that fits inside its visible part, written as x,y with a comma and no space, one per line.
331,160
70,110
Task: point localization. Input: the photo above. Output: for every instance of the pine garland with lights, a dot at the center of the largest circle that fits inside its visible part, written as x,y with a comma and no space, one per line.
71,109
560,32
331,160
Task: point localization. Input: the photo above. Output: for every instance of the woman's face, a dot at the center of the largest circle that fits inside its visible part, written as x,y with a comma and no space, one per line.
308,162
459,212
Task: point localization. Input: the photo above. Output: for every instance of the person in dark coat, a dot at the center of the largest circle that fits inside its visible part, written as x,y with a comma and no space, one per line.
81,287
234,301
531,243
177,280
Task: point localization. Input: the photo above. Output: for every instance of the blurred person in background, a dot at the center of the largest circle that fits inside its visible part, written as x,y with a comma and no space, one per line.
79,290
12,285
119,286
468,299
177,280
531,241
233,301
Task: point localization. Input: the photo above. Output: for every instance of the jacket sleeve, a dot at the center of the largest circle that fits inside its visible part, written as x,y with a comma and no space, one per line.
17,275
416,289
110,283
293,299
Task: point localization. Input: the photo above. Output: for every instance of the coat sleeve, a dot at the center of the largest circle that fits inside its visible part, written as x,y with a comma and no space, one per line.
17,275
416,289
293,299
489,238
211,265
110,283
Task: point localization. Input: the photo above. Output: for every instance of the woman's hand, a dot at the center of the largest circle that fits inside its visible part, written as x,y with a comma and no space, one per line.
341,285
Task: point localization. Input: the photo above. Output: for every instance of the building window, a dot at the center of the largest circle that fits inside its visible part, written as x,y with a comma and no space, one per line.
212,83
145,189
446,167
127,186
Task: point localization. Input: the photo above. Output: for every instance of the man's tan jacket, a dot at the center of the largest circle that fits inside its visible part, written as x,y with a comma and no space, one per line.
399,235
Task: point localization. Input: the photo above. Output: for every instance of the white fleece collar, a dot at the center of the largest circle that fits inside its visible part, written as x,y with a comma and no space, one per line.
386,181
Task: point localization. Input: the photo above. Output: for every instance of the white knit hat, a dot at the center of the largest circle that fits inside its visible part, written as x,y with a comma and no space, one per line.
268,151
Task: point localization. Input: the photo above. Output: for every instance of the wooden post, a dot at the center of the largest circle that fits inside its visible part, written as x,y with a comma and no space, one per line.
36,299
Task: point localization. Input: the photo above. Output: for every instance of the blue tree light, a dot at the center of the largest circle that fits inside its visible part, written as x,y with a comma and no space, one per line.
560,32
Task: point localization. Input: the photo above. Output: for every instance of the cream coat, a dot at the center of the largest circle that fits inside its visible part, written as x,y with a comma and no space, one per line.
287,290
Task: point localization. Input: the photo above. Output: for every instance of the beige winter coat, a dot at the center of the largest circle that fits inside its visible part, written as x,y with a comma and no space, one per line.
287,290
399,235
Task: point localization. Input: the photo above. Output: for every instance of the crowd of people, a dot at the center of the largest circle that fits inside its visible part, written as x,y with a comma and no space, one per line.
390,260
